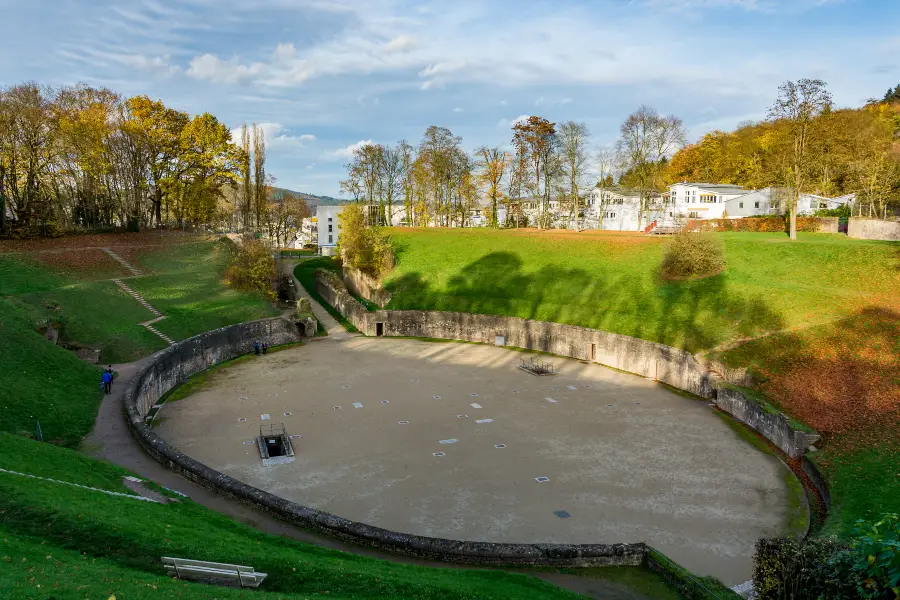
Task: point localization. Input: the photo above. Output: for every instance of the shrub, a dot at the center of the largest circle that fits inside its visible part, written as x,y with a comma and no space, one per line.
251,267
362,246
791,568
693,254
874,558
758,223
869,567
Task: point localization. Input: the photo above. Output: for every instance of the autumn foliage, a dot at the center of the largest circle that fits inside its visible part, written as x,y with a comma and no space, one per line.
251,267
851,151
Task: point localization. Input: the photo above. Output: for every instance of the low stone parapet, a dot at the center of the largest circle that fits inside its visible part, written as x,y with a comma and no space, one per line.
174,365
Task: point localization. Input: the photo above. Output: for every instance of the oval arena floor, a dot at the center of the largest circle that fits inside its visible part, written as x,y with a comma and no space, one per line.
453,440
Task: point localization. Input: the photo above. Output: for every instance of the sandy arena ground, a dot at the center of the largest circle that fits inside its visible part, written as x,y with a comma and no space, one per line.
626,459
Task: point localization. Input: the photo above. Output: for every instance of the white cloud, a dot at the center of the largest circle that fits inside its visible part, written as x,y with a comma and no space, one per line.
541,101
441,68
457,110
401,43
747,5
211,67
504,123
347,151
284,52
278,137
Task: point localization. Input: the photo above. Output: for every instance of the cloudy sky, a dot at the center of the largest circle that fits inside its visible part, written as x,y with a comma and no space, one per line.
325,75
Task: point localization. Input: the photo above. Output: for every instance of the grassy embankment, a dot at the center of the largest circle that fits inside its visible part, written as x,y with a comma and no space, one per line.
818,320
78,543
41,382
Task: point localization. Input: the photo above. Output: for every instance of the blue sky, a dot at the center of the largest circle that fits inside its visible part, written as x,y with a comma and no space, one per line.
323,75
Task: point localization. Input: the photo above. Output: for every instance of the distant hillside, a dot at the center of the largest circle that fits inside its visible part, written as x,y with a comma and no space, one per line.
311,199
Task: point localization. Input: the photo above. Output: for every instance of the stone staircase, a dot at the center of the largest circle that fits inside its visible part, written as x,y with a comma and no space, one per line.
131,268
148,324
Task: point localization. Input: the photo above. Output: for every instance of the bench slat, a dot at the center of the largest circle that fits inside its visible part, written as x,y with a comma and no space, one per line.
192,569
203,563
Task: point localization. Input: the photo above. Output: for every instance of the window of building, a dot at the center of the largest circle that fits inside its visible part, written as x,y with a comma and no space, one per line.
756,204
610,215
741,204
330,228
330,239
693,215
329,219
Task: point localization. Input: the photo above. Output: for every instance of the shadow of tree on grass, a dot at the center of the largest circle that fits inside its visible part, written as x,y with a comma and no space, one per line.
695,315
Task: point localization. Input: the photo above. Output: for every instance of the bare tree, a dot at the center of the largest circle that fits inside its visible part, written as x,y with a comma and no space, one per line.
573,160
646,139
407,160
392,179
606,162
798,104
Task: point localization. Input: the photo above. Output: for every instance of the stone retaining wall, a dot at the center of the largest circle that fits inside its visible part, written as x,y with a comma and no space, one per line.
672,366
775,427
874,229
174,365
365,286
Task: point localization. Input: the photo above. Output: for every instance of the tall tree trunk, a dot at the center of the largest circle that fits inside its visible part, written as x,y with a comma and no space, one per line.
157,204
793,227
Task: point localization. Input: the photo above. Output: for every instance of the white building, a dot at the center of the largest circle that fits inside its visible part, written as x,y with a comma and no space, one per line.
328,227
618,208
702,200
772,201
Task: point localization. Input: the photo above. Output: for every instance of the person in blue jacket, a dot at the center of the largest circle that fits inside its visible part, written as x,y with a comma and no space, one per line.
107,379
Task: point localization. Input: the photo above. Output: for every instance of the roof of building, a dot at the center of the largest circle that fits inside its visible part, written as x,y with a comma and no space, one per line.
624,191
713,186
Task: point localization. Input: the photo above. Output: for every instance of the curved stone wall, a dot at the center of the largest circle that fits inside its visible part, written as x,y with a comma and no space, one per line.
672,366
174,365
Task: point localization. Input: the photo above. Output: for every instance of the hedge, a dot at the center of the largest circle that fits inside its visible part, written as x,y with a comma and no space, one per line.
756,224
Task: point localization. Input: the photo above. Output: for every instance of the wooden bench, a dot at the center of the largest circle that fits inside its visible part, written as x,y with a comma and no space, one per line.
211,572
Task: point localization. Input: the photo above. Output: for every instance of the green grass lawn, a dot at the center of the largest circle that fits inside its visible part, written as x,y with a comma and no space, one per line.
189,290
612,283
42,382
827,306
126,539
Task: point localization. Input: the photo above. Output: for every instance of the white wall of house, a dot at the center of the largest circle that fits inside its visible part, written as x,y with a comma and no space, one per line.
329,228
758,202
702,200
810,203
